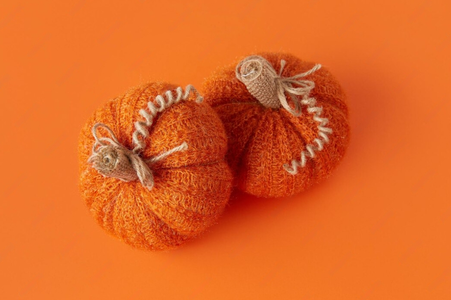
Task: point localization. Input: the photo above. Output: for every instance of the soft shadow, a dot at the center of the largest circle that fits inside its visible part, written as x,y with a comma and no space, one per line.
370,101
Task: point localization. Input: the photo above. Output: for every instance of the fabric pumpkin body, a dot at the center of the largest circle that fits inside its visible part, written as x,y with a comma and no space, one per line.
264,141
190,188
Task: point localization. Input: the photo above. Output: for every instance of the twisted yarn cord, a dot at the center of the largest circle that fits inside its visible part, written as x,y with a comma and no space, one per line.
269,88
154,108
112,159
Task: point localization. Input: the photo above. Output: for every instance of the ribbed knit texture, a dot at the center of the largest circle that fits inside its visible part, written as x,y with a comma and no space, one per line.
262,140
191,187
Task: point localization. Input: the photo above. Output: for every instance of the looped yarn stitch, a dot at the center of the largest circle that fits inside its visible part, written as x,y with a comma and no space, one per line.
112,159
269,87
160,105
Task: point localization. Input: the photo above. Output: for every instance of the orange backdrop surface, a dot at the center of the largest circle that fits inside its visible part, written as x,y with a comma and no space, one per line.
379,228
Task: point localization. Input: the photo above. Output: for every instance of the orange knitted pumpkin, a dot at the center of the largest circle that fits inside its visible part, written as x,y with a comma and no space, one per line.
286,121
152,169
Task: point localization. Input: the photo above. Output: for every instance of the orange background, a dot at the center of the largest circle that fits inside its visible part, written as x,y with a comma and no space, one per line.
378,229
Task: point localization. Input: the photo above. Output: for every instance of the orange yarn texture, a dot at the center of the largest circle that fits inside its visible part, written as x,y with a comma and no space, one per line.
191,187
262,140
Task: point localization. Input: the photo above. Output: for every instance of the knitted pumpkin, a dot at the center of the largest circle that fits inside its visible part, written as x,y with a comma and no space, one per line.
152,168
286,121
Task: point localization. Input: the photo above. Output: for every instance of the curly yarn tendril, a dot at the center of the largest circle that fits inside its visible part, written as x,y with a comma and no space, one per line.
161,103
269,88
112,159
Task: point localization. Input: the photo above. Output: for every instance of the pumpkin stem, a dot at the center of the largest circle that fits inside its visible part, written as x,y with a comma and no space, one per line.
112,159
269,88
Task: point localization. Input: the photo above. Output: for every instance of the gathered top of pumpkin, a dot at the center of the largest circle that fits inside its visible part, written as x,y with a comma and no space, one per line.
286,121
152,168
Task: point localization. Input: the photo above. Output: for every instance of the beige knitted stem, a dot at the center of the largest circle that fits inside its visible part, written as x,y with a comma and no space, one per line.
270,89
259,77
112,159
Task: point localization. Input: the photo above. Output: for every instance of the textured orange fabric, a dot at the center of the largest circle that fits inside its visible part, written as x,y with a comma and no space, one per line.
262,140
191,187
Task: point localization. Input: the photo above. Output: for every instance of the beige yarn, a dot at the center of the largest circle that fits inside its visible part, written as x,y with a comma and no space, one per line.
160,104
262,81
269,88
112,159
